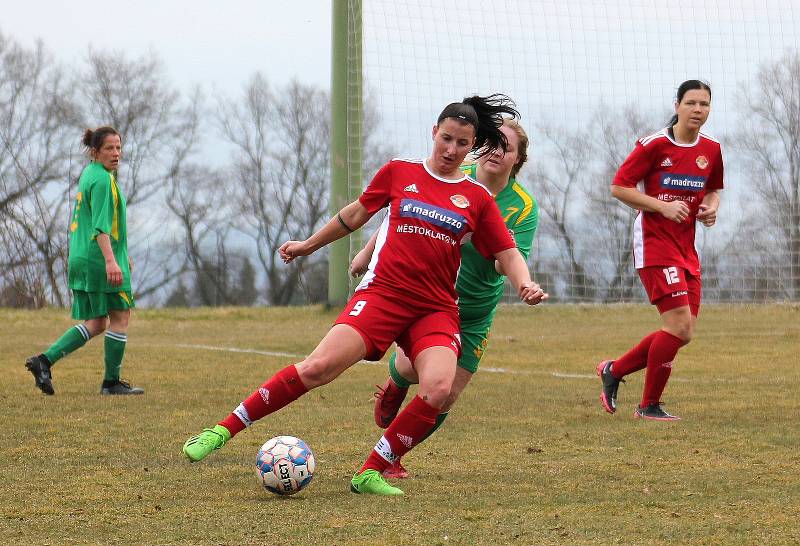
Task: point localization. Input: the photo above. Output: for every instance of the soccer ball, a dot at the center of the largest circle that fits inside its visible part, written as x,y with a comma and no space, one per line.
285,465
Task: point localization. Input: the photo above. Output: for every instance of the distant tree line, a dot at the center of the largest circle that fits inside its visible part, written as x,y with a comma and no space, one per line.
200,233
205,233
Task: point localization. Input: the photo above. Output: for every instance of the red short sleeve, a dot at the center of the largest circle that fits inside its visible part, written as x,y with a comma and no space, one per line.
379,191
492,235
634,168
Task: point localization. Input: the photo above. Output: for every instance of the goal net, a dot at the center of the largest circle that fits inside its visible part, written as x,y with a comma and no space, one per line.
589,78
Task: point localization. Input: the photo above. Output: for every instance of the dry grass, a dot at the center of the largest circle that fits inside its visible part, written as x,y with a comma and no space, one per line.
527,457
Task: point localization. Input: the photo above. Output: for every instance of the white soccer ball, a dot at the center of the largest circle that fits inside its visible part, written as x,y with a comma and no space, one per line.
285,465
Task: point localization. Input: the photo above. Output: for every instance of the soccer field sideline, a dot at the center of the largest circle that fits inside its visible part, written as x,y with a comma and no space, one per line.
485,369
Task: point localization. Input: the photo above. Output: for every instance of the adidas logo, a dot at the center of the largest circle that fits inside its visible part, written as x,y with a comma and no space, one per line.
666,163
406,440
412,188
264,394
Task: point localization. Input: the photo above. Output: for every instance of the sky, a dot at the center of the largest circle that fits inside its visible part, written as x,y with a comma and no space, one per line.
559,59
213,43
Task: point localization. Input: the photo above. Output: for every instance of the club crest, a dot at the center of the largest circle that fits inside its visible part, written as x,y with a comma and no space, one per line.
460,201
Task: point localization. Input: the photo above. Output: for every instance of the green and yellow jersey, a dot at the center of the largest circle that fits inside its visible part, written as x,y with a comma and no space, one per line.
99,208
479,285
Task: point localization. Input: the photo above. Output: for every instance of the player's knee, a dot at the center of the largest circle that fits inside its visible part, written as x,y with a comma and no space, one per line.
683,331
315,371
96,326
436,393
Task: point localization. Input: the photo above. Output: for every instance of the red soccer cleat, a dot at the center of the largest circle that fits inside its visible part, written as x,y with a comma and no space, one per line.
387,402
396,471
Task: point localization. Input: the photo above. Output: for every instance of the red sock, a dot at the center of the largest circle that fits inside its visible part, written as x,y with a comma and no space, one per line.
659,365
407,430
281,389
635,359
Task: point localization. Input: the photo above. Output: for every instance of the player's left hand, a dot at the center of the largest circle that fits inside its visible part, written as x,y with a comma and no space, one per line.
360,263
291,250
707,215
531,293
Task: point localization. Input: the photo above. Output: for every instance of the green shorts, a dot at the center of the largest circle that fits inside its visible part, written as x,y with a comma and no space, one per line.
89,305
474,337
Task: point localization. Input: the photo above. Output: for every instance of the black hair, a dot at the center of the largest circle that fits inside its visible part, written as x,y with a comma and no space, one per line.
688,85
486,115
93,139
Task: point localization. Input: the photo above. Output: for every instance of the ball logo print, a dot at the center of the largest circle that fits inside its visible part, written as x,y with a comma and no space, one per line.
285,465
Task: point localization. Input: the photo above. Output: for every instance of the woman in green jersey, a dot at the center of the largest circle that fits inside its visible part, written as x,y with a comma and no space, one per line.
99,267
479,285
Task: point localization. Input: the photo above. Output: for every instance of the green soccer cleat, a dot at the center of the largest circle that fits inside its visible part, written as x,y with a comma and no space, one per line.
371,481
198,447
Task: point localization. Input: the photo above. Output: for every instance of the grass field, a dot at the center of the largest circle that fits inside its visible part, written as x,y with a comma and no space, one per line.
527,456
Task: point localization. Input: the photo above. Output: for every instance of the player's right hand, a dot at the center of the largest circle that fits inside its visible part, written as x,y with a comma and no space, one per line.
113,273
677,211
291,250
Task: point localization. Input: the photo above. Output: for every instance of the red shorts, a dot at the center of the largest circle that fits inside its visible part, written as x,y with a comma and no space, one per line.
383,318
670,287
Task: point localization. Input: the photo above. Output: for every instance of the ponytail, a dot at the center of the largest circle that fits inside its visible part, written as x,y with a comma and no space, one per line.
486,115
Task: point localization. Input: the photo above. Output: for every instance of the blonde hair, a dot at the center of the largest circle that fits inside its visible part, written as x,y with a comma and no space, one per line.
522,147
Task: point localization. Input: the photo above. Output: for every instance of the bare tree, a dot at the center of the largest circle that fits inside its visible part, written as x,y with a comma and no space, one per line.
281,172
560,194
769,143
612,222
200,200
37,118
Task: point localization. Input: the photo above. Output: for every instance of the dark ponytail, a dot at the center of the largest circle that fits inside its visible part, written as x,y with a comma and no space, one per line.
688,85
486,115
93,139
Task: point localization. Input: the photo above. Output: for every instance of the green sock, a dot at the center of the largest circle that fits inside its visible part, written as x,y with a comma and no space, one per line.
115,350
398,379
439,420
71,340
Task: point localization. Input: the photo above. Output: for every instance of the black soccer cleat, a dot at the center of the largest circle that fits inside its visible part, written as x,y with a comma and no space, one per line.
654,412
119,387
608,396
40,368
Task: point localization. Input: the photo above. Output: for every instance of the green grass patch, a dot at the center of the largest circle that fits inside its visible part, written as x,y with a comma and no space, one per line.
527,456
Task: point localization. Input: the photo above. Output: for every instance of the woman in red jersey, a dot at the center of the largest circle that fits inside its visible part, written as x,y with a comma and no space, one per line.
409,295
679,172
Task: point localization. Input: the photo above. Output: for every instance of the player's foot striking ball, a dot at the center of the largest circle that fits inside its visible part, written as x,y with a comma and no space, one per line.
198,447
371,481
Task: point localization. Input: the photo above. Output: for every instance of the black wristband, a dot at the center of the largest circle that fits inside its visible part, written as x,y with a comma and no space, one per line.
344,225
